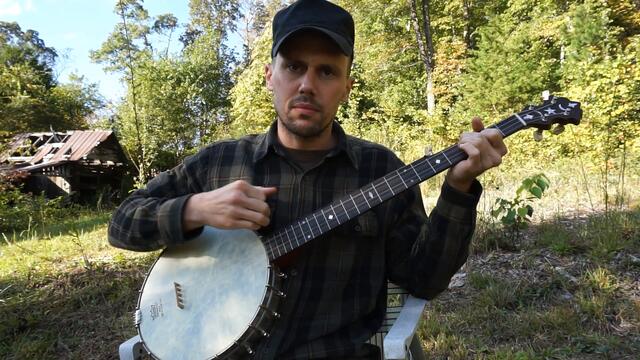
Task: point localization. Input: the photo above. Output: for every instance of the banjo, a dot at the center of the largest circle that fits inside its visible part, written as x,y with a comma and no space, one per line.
216,296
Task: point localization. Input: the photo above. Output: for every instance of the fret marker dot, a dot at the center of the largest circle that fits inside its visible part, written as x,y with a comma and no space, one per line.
438,161
370,195
330,217
308,236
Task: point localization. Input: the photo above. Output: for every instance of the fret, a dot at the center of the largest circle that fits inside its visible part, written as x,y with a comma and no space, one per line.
376,190
278,250
345,209
306,221
444,153
500,129
524,123
414,170
301,232
354,203
432,168
316,219
408,177
283,247
391,189
325,218
334,214
365,198
286,232
400,176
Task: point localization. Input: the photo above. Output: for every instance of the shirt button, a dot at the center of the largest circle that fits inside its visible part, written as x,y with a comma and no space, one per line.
293,272
357,228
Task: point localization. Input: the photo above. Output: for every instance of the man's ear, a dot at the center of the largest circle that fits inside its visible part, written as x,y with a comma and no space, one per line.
350,82
267,76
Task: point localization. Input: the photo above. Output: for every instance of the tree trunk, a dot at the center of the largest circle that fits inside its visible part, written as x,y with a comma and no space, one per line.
142,170
425,46
466,14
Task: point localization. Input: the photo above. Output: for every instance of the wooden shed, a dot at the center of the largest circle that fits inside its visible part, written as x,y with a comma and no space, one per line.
82,162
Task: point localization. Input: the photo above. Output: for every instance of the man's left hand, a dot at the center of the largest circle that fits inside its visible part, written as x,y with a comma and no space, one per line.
485,149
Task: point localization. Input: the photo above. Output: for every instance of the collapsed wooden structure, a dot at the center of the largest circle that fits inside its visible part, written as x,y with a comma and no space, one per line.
82,162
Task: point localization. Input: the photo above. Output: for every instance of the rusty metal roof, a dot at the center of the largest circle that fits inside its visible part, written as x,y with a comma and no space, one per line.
51,148
73,148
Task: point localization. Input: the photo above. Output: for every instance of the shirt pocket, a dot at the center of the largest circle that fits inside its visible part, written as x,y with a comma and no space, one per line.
366,225
349,249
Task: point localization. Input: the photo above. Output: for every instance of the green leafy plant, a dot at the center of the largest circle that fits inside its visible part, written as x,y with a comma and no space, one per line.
516,213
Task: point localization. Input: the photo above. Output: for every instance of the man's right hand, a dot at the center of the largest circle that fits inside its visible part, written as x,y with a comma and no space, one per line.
238,205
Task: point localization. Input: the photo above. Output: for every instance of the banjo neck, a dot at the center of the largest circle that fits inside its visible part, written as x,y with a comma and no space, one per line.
300,232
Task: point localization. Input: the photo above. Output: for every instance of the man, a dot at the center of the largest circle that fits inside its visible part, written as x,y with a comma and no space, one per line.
336,283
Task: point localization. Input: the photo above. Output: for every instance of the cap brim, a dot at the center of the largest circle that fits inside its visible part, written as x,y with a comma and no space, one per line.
342,43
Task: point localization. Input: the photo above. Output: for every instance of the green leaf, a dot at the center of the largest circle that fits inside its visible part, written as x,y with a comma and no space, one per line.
542,182
510,218
523,212
529,210
536,191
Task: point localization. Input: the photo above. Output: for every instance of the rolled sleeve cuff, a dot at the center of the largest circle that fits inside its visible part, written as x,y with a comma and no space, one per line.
170,222
457,205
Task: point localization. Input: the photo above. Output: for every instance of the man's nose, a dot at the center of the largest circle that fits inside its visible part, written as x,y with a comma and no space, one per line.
308,83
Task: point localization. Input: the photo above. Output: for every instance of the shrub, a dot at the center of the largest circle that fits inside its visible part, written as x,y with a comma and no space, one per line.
20,211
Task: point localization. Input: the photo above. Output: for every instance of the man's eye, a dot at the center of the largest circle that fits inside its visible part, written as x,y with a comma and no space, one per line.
293,67
327,72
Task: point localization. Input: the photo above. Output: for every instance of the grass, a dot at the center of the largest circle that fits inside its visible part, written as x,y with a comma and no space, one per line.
567,288
574,295
68,295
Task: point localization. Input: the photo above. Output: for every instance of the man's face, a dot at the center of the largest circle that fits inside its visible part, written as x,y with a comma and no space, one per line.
309,79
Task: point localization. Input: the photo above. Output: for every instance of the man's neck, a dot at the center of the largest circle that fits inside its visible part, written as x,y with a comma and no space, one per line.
324,141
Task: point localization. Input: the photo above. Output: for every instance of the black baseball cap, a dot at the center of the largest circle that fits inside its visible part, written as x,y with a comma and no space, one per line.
320,15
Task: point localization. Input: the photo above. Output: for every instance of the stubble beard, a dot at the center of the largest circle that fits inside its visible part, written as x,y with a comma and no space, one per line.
305,127
307,130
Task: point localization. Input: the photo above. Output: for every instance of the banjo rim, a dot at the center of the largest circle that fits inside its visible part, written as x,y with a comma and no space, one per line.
270,299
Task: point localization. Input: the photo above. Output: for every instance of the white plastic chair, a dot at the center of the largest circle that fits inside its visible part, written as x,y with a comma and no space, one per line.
396,338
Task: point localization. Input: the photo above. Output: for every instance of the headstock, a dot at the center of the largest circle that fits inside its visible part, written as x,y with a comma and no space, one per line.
554,111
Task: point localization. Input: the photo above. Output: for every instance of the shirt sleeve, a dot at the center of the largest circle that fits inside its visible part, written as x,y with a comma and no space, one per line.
424,253
151,218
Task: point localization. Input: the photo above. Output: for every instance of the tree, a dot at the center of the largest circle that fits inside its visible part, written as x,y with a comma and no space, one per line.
424,39
601,70
517,58
30,98
122,52
174,102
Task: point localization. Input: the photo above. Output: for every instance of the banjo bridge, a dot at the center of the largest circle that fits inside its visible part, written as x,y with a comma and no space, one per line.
179,295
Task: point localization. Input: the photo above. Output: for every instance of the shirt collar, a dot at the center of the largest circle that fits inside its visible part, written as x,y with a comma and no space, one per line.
269,140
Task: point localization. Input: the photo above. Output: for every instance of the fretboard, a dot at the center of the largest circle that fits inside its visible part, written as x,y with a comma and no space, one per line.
298,233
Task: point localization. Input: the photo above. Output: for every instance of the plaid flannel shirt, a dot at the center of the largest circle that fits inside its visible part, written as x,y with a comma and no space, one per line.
336,288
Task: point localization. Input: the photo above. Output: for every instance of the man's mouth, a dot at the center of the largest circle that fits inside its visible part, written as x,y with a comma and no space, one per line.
305,108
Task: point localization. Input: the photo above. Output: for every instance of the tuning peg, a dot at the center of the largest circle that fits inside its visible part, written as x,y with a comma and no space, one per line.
537,135
558,129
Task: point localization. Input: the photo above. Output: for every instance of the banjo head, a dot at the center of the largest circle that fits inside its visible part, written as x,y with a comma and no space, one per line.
200,297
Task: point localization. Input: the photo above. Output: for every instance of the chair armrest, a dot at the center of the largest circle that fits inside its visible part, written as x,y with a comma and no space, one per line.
131,349
397,341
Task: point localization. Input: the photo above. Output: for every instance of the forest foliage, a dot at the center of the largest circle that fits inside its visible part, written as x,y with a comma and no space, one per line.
422,69
31,97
